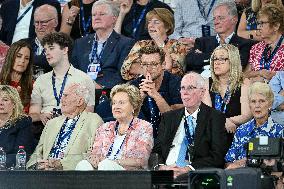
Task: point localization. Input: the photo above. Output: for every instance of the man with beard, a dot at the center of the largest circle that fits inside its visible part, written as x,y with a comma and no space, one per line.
49,87
159,88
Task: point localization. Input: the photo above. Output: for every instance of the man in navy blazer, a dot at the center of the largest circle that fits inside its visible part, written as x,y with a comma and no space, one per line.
225,18
101,55
9,12
184,145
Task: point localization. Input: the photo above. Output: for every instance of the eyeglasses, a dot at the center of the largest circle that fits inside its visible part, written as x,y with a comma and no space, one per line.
220,60
42,22
188,88
261,23
220,18
150,64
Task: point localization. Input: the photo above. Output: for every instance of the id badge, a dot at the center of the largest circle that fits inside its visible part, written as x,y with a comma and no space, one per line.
93,70
205,31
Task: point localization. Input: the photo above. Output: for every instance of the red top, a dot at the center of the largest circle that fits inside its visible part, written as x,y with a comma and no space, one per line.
277,63
16,85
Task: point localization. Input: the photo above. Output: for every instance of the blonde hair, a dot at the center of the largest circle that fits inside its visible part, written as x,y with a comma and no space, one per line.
16,100
133,93
256,4
263,89
236,74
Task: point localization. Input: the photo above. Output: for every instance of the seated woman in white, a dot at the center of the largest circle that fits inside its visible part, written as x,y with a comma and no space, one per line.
124,144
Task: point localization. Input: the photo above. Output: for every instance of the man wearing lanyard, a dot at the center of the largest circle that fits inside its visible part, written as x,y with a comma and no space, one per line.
48,88
225,18
18,22
159,88
132,17
192,137
67,137
101,55
197,22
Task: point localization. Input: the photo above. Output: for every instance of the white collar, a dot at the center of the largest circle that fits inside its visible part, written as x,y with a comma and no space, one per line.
194,114
227,39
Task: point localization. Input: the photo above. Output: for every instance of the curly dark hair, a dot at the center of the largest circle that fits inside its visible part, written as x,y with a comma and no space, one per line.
26,82
152,49
61,39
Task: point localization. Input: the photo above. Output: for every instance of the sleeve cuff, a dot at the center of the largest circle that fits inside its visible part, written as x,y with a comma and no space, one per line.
192,168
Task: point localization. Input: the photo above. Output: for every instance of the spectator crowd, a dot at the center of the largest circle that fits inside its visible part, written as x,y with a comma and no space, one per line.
188,85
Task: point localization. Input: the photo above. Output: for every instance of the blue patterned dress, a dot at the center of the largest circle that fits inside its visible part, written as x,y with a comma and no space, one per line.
247,131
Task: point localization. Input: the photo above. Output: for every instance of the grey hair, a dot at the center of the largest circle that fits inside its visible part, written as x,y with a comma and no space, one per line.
112,6
200,81
231,7
84,92
49,10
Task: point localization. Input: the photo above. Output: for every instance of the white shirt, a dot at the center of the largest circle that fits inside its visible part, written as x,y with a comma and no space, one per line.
180,134
23,26
39,47
118,140
227,40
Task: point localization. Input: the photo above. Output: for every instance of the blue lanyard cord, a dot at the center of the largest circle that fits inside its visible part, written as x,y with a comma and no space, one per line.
202,9
116,133
219,102
136,22
24,14
189,136
63,137
93,54
58,98
72,125
85,25
265,62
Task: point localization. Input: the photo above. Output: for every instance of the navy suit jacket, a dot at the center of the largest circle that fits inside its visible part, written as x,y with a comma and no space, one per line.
195,61
210,140
9,12
40,60
19,134
115,51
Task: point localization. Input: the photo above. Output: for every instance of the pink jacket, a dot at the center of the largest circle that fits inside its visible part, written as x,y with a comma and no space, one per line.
138,142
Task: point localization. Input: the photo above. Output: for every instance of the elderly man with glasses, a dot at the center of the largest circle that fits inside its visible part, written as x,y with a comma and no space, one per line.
159,88
192,137
45,22
18,19
225,17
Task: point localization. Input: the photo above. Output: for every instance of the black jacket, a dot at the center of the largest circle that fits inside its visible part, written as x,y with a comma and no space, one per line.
195,61
210,137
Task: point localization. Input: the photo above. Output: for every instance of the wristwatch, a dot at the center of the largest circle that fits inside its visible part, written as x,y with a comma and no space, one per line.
69,22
